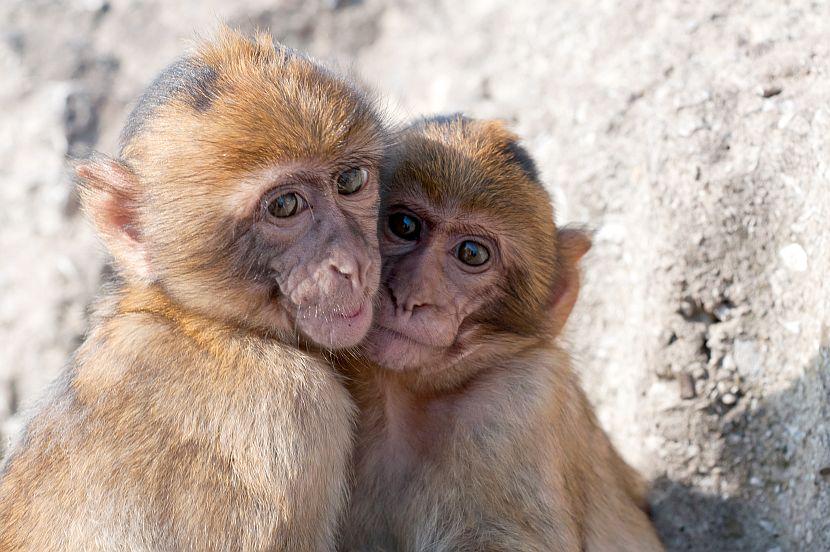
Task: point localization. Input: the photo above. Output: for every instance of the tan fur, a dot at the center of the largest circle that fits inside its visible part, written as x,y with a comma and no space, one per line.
194,416
495,448
207,450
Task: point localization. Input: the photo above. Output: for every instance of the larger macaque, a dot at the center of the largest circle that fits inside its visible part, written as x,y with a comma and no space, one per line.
199,415
474,432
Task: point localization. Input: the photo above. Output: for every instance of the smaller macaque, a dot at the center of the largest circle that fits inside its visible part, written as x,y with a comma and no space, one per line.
200,412
474,432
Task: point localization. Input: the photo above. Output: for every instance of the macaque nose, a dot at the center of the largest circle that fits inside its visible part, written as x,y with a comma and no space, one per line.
405,301
351,269
413,302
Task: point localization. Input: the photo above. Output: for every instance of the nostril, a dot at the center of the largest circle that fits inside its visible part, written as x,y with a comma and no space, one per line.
342,271
392,296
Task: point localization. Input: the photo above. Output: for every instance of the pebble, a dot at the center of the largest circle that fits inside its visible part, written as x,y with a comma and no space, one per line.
721,311
769,91
687,386
794,326
747,358
728,399
794,257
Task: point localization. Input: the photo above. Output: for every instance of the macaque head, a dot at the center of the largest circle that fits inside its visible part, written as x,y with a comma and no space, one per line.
473,264
247,189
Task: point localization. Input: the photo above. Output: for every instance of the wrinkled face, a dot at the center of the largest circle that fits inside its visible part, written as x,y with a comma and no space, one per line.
261,171
441,268
469,250
309,248
290,249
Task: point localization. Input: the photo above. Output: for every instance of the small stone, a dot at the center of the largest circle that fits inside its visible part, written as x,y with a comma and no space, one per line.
794,257
747,358
687,386
792,326
824,471
766,525
728,399
721,311
770,90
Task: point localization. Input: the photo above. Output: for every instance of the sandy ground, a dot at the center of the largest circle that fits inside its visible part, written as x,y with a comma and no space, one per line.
693,136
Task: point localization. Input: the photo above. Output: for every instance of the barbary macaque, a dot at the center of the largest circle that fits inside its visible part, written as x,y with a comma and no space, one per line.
474,433
200,413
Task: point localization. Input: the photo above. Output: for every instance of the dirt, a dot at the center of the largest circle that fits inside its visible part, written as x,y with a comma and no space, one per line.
694,137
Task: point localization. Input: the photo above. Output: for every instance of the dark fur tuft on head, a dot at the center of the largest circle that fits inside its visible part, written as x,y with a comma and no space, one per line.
515,153
188,78
522,158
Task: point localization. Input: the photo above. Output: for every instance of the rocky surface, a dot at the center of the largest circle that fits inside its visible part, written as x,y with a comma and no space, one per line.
693,136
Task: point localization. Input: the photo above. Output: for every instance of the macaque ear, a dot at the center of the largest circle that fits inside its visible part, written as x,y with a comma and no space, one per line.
573,244
110,195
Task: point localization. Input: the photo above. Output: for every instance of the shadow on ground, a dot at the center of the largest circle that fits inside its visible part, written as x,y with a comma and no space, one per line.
780,431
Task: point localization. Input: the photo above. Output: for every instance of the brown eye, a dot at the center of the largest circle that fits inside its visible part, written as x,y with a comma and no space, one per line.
405,226
286,205
472,253
352,180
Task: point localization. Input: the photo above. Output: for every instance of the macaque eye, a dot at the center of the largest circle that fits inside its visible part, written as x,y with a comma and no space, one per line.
472,253
405,226
286,205
352,180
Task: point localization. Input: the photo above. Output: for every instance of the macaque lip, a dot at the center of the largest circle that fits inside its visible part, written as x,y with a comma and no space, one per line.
397,351
354,314
337,330
400,335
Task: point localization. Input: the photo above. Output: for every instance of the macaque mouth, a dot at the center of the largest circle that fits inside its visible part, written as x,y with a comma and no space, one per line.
350,315
398,335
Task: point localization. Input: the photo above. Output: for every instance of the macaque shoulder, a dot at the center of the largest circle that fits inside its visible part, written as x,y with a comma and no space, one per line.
523,386
194,372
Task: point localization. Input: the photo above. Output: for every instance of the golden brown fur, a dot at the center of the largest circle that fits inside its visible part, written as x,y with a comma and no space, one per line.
198,415
484,440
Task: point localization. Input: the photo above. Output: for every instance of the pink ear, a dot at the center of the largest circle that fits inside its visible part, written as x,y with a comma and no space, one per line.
110,195
573,244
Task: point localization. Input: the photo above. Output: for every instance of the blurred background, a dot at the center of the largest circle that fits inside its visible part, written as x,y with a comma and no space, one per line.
693,135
